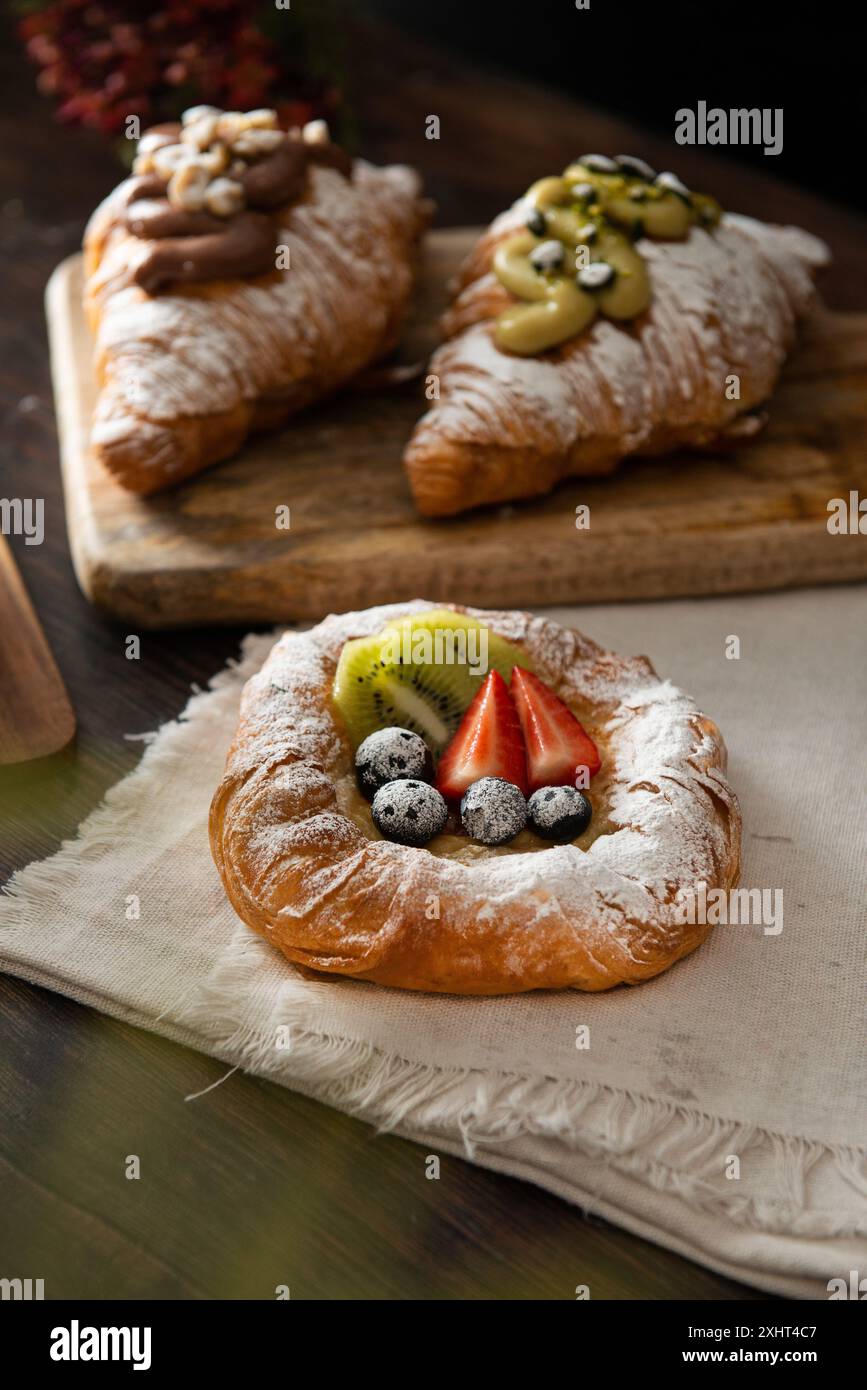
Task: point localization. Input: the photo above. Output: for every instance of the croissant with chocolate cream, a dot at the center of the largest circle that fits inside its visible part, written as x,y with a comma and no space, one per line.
240,274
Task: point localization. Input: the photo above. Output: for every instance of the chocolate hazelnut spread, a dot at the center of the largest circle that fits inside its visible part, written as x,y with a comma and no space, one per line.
278,178
244,245
195,233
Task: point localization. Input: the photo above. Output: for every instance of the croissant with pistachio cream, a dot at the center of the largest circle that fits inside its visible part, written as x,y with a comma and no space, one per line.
241,273
610,312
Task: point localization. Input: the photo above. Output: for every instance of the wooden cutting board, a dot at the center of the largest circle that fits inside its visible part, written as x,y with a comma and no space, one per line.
211,552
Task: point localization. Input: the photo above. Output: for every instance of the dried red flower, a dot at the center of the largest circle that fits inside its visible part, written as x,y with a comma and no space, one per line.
104,62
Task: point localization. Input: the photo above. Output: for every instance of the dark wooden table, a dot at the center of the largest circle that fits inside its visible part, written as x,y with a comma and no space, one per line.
252,1186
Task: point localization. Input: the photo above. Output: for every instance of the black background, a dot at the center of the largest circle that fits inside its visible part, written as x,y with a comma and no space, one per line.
646,60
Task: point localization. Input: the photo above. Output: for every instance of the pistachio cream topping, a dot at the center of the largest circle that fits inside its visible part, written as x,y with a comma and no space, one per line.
204,192
577,257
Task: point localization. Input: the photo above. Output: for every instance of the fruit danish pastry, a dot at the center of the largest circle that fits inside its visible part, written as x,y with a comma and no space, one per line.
240,274
471,802
610,312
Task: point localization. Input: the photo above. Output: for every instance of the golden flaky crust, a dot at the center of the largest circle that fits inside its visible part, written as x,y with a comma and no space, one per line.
724,304
186,375
300,870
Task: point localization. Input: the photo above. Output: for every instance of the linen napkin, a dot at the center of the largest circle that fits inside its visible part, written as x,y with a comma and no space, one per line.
718,1110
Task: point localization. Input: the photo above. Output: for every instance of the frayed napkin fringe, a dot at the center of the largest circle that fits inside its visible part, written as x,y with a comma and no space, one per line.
668,1146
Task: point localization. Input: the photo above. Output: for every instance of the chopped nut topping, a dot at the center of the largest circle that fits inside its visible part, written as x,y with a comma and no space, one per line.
155,140
167,159
251,144
211,144
232,124
229,126
188,185
215,159
316,133
224,198
196,113
200,133
262,119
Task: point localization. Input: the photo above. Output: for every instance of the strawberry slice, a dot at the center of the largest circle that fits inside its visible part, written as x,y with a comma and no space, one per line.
557,745
488,743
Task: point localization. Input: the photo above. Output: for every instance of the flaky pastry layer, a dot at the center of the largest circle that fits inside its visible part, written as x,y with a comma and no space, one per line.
307,879
186,375
685,374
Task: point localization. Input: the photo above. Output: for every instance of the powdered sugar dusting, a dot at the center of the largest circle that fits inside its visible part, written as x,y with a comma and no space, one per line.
493,811
672,817
409,811
390,753
552,807
194,353
722,302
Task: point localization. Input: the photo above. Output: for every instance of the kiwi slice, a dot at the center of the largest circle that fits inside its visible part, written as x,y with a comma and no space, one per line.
419,673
